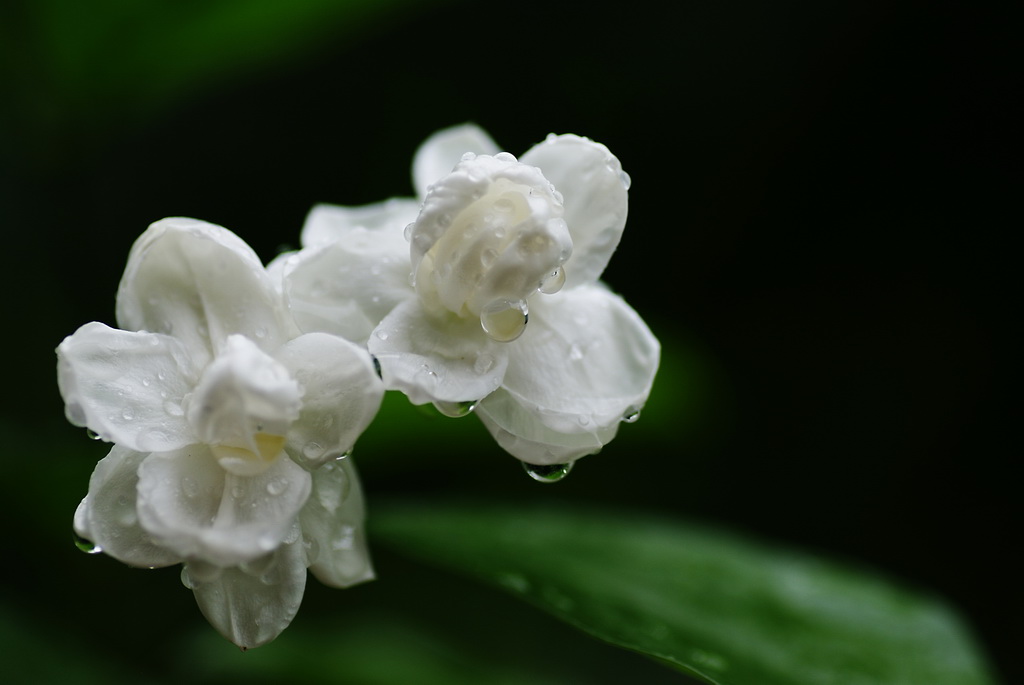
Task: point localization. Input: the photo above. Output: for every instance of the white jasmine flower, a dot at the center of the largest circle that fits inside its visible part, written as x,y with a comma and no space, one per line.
226,424
486,295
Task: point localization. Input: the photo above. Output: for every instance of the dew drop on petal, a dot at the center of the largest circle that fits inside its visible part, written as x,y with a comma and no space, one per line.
484,363
381,335
93,435
277,486
173,408
85,545
631,415
313,450
553,282
547,473
625,179
504,320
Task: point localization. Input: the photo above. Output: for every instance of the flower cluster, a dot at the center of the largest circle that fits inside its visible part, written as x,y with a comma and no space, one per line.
233,393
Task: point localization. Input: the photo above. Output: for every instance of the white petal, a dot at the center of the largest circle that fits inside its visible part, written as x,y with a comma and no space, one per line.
326,224
110,516
333,524
200,283
126,387
442,150
191,505
586,361
523,434
341,394
436,359
594,191
251,604
346,288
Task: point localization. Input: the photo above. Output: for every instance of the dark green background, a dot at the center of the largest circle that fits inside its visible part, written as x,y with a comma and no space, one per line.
817,233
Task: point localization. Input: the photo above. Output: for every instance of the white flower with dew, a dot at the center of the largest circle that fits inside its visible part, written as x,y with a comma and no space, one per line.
226,424
485,294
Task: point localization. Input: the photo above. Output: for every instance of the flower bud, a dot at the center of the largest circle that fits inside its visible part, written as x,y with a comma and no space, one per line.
489,235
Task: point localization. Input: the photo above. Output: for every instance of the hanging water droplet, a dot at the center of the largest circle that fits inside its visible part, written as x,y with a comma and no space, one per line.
87,546
456,409
504,320
343,455
92,435
631,415
553,282
625,179
547,473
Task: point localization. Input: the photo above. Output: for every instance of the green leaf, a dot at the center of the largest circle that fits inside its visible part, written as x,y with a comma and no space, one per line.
726,610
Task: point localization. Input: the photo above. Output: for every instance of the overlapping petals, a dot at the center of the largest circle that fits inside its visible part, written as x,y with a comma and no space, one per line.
494,300
222,416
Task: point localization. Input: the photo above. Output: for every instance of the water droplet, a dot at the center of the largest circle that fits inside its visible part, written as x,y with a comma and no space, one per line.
426,370
128,413
408,231
583,420
483,363
503,205
553,282
173,408
87,546
505,157
237,491
313,450
631,415
260,332
146,381
504,320
381,335
343,455
93,435
456,409
547,473
468,156
277,486
625,179
161,376
488,256
576,352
